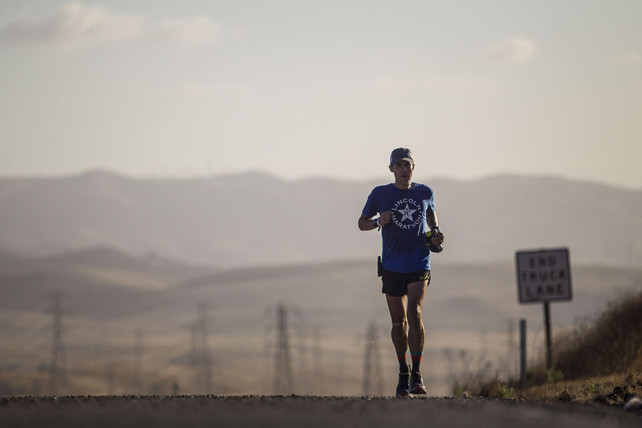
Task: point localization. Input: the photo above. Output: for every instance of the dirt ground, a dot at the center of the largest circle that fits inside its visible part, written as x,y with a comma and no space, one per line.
308,411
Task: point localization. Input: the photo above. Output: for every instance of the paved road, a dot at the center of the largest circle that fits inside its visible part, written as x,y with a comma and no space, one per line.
296,411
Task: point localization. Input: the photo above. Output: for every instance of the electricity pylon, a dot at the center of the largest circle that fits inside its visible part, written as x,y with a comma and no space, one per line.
200,355
372,381
283,379
58,366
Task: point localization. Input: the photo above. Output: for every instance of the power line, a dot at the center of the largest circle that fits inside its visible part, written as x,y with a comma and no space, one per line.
138,362
58,366
283,379
200,358
301,346
372,382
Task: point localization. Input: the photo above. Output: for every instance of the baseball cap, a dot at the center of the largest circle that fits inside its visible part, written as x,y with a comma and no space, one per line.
401,154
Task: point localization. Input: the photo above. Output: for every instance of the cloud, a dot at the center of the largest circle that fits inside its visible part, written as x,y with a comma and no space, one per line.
77,25
196,30
513,50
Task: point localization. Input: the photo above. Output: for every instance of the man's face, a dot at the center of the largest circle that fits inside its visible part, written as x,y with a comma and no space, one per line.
402,171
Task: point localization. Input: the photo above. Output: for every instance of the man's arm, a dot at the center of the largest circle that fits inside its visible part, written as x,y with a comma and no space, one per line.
431,221
367,223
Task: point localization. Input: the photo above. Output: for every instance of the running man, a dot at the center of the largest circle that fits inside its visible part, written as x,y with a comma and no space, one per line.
404,211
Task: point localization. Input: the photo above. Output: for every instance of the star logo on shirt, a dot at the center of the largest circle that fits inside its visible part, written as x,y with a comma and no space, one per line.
407,213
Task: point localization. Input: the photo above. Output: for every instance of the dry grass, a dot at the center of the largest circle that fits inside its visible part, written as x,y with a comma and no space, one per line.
599,359
612,343
584,390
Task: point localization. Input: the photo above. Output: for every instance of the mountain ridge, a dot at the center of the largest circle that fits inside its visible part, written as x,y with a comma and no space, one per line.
256,218
111,174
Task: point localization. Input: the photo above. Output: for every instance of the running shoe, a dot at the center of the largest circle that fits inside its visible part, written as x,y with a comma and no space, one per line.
403,387
417,383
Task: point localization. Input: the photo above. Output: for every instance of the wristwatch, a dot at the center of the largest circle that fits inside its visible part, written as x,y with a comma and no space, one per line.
375,223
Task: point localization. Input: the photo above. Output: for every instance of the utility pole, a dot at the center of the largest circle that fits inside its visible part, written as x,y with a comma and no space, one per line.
138,362
200,358
283,379
58,366
316,349
302,350
193,351
522,353
372,382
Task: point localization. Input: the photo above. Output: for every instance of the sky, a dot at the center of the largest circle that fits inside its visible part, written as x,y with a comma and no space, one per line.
328,88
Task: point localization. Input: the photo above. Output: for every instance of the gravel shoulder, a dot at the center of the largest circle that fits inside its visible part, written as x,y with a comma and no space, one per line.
309,411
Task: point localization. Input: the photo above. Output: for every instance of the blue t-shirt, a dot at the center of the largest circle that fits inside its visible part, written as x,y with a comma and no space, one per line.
403,239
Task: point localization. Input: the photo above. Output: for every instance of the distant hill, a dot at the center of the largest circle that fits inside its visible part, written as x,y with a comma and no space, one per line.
257,219
106,284
106,297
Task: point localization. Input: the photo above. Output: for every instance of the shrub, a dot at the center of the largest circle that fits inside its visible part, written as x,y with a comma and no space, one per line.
612,343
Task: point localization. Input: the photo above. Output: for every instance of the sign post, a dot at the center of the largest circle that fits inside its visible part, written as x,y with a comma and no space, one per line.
544,276
522,352
547,323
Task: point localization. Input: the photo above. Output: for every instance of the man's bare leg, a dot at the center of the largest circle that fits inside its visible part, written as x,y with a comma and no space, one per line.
416,333
399,332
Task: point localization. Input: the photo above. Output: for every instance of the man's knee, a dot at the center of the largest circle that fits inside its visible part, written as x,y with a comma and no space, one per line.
414,315
403,325
415,323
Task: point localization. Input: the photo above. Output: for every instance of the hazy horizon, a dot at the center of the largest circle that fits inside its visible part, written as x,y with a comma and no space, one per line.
374,179
310,89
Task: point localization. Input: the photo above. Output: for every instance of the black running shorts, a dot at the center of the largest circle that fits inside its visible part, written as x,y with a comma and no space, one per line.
396,284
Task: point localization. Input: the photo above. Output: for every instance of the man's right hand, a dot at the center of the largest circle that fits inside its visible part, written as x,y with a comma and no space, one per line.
385,218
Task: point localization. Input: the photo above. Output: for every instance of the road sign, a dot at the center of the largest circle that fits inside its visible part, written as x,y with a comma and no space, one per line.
543,275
